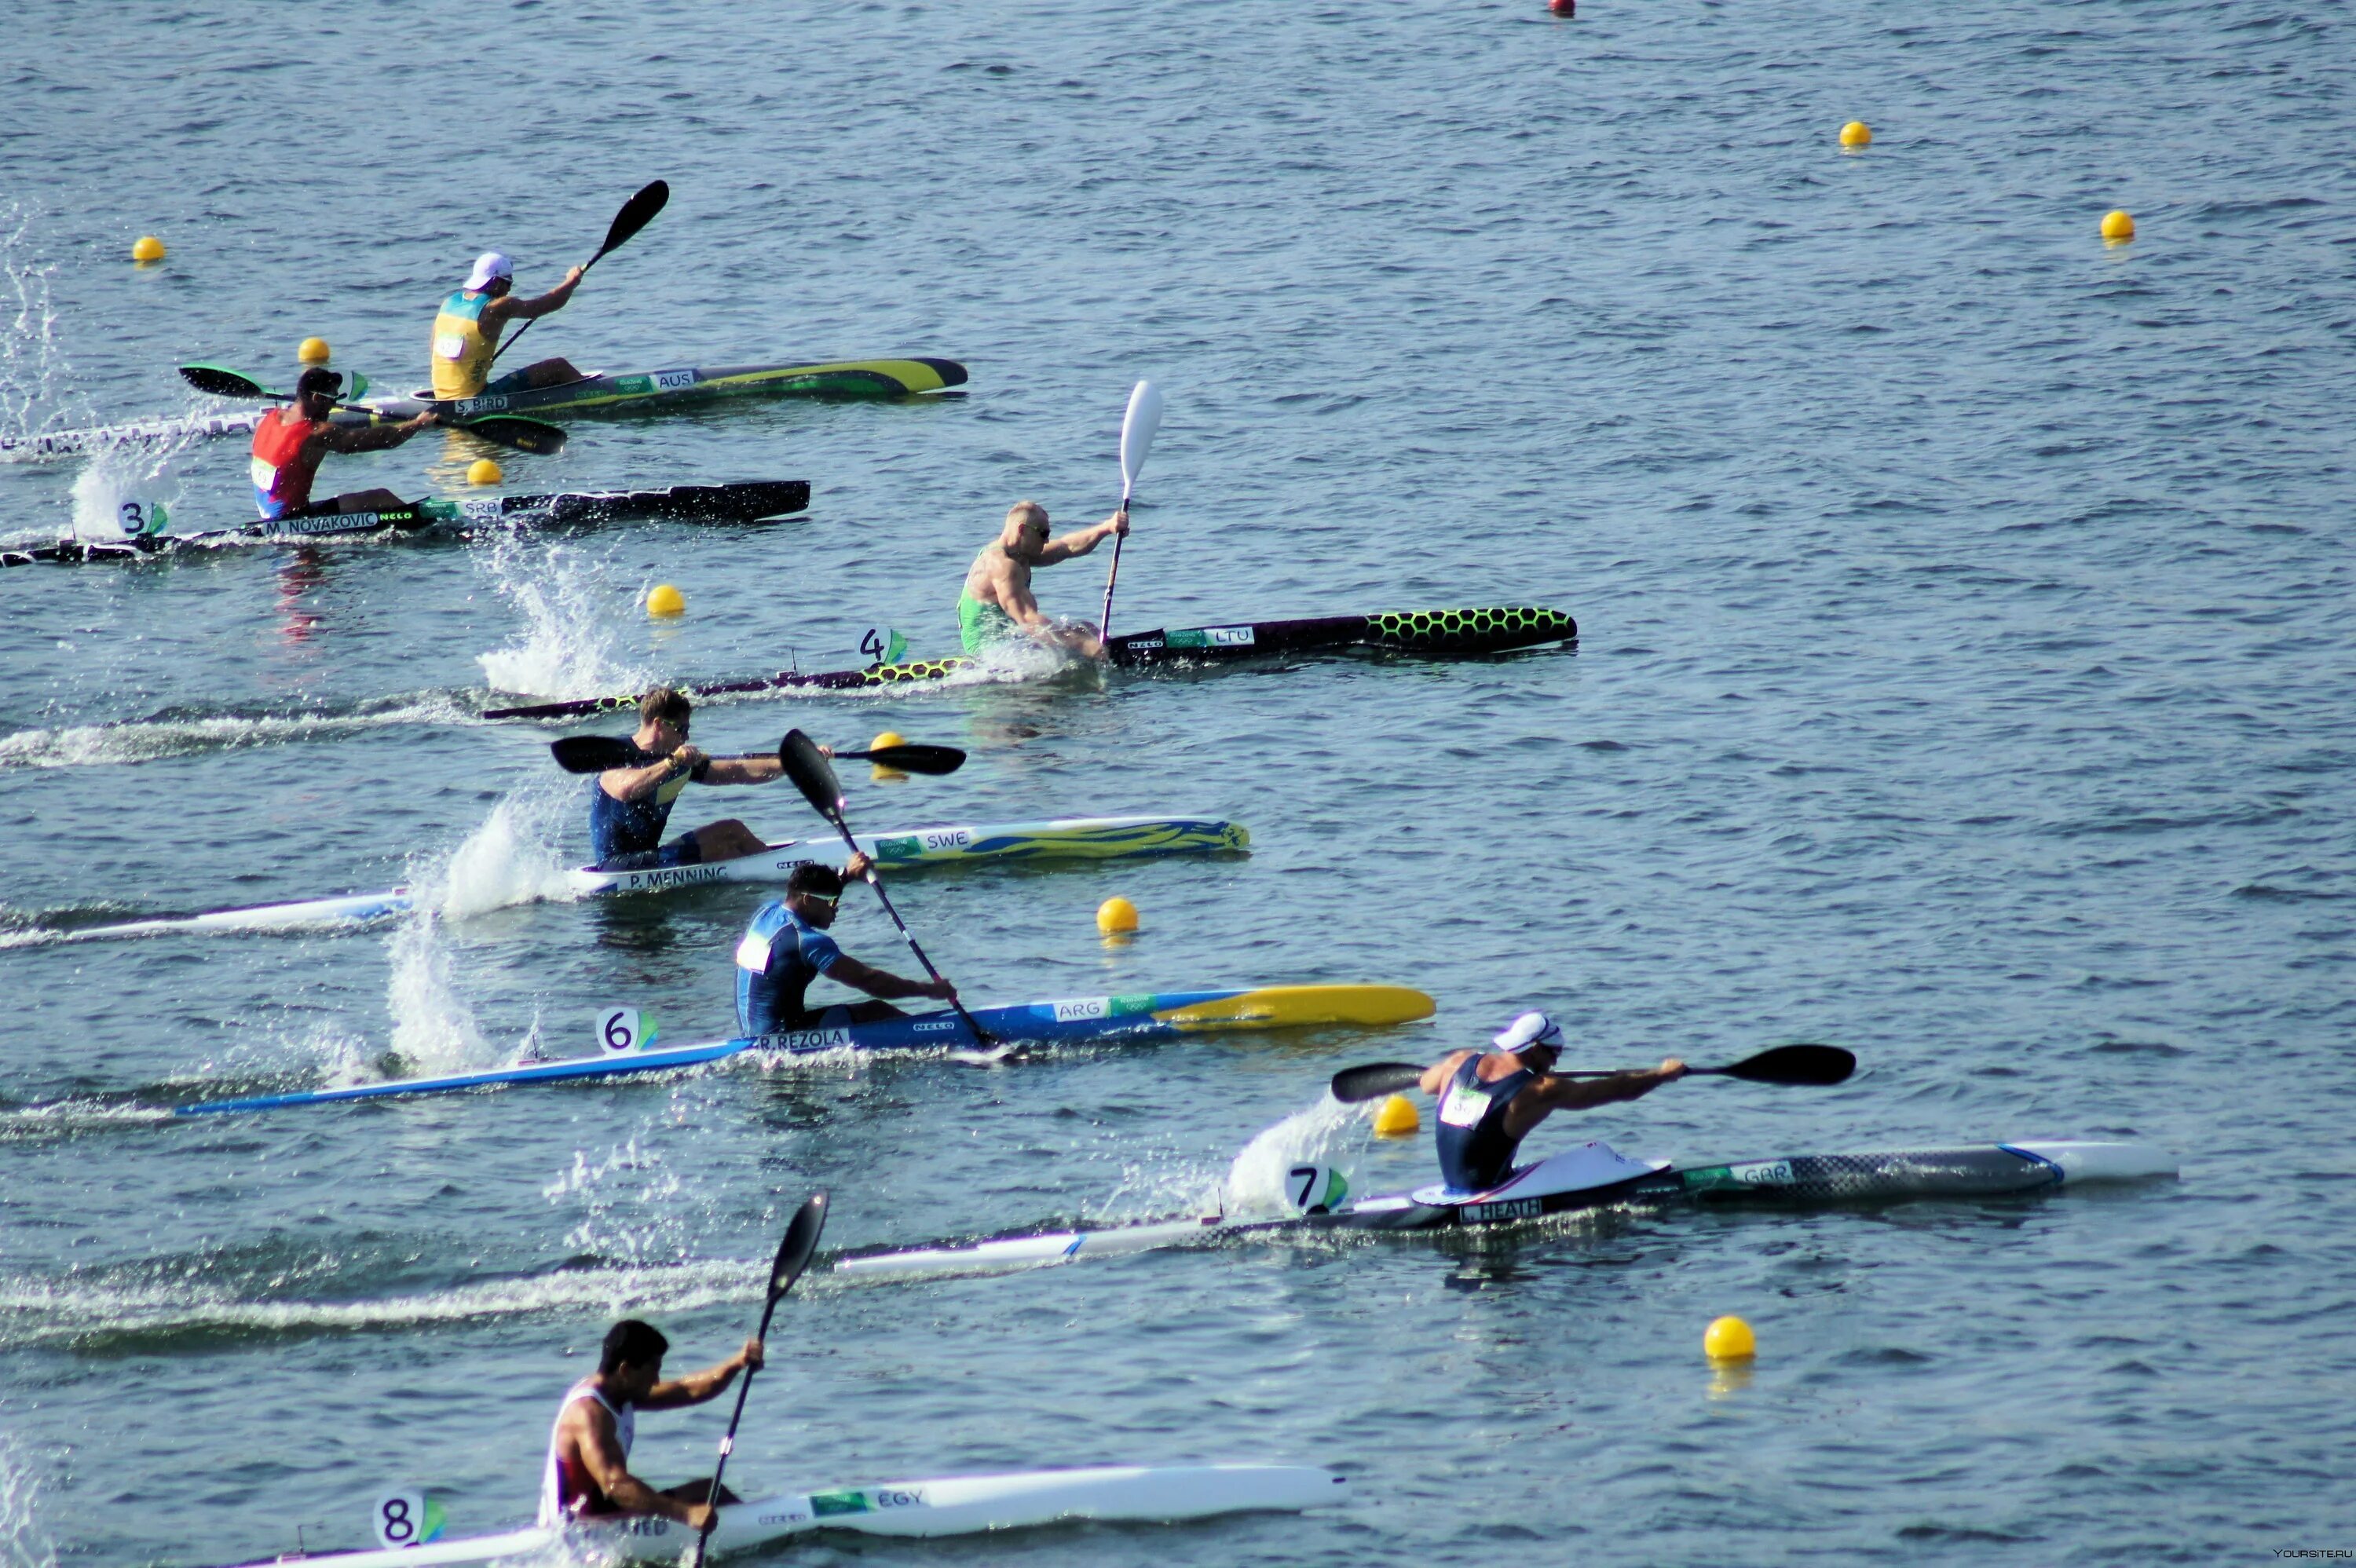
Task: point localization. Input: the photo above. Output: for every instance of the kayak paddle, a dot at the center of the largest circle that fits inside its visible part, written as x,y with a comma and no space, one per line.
596,753
1800,1066
636,214
794,1254
1137,428
815,778
537,436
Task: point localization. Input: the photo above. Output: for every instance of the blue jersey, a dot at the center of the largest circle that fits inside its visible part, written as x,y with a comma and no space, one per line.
1474,1152
622,828
781,953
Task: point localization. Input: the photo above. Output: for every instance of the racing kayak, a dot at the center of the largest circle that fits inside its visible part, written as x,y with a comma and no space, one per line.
743,502
1158,1015
1063,838
1489,630
661,389
1593,1176
955,1505
651,389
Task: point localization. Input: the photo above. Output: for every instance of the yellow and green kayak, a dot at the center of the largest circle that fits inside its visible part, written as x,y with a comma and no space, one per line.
659,391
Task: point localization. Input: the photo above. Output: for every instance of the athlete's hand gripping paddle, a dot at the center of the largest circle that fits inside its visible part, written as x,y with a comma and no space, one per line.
815,778
1137,428
596,753
523,434
1798,1066
794,1254
636,214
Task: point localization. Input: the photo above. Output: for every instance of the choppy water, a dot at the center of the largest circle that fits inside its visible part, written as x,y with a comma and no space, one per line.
1966,680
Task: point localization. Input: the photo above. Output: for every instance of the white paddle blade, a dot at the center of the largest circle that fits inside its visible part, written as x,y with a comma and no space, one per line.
1137,428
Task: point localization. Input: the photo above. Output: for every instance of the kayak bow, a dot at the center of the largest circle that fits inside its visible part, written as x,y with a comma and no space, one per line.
1428,633
1157,1015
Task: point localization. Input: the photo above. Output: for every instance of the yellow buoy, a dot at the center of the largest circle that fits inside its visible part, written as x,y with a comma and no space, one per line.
483,471
146,248
2118,226
662,598
314,351
1729,1339
889,738
1856,133
1116,915
1396,1119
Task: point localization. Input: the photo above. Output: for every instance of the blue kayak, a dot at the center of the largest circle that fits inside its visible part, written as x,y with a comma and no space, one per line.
1150,1017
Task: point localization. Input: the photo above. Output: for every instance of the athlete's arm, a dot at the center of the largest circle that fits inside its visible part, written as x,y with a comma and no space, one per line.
511,308
1436,1076
696,1387
372,438
1014,596
637,784
741,771
1080,543
601,1455
882,984
1551,1094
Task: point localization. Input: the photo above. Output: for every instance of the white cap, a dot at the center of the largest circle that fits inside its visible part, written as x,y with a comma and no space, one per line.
1529,1032
489,265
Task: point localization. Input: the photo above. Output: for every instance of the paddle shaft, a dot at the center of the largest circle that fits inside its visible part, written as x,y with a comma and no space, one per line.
619,234
980,1036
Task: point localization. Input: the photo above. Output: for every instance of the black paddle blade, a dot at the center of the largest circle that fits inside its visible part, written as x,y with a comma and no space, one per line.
535,436
1356,1085
594,753
636,214
912,758
217,381
1801,1066
800,756
799,1246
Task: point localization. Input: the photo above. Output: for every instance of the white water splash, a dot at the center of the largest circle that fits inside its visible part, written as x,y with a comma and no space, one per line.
570,643
1328,1133
23,1543
34,370
433,1029
510,859
630,1203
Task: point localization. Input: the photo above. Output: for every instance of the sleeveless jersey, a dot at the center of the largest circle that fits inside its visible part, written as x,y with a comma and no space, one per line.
565,1490
1474,1152
461,354
618,827
776,962
283,470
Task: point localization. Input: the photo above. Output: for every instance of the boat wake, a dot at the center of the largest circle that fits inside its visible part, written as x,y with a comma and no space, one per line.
189,732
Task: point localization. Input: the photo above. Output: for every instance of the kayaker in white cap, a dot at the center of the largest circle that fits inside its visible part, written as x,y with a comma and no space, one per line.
466,332
1491,1100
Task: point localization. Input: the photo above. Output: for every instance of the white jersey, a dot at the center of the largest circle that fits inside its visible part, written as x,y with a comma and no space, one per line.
561,1488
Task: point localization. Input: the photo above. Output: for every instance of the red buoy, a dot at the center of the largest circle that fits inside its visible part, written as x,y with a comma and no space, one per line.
1563,7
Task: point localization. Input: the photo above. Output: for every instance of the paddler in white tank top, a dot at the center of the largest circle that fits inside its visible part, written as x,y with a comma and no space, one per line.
588,1469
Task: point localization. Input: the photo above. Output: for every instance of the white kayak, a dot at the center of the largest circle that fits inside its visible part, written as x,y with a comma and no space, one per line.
1062,838
955,1505
1593,1176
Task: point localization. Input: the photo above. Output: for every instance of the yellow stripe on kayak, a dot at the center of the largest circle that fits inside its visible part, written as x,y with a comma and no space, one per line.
914,374
1282,1006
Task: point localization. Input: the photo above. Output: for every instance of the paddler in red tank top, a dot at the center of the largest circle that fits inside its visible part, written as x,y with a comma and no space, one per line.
289,443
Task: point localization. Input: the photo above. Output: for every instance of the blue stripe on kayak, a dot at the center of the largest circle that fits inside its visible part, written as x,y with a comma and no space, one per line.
1094,1018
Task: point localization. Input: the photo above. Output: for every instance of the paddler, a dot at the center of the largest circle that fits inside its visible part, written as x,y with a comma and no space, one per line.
629,806
290,442
786,947
1491,1100
588,1470
996,603
466,332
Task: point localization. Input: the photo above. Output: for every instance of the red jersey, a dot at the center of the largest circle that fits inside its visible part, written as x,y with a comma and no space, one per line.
283,469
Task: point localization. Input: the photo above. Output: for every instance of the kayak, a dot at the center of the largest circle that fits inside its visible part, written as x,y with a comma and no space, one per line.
954,1505
1590,1177
1063,838
648,390
1155,1015
1488,630
661,389
746,501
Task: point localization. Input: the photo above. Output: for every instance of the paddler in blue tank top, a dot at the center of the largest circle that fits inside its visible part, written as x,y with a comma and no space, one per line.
786,947
996,603
629,806
1491,1100
466,332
